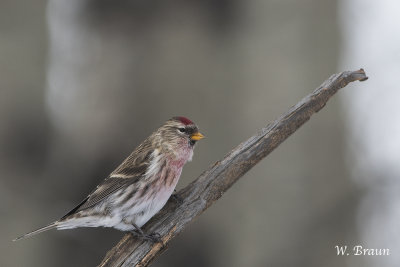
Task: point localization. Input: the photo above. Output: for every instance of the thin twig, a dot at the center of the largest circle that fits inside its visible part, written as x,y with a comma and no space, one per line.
212,183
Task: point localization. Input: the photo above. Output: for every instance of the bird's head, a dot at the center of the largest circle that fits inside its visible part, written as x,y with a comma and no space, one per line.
178,133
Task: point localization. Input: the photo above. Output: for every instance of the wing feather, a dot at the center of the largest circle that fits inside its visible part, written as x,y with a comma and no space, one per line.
131,171
105,189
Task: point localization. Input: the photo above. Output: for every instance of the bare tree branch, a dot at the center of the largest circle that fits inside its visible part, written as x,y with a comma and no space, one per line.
212,183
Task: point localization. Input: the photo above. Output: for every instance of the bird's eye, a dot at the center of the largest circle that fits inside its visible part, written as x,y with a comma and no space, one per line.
182,130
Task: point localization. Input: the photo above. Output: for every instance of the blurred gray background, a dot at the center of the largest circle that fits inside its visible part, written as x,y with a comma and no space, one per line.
82,82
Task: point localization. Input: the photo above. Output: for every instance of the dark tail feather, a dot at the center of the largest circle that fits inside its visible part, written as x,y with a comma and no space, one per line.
38,231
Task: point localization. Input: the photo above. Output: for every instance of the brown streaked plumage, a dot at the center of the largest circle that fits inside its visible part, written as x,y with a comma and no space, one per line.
137,189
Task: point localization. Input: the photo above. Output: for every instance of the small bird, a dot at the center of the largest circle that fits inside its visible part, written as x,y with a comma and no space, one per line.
136,190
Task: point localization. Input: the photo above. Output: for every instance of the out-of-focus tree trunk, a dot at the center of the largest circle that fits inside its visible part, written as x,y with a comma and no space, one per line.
374,153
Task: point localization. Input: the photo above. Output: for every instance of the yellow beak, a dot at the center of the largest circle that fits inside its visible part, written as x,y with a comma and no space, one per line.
196,136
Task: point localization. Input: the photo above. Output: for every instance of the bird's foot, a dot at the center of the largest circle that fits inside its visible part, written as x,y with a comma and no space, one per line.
153,237
177,198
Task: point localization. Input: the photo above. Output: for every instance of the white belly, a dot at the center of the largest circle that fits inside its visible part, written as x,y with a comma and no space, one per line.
140,212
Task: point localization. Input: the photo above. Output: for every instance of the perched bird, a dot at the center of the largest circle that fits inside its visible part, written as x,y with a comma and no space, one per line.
136,190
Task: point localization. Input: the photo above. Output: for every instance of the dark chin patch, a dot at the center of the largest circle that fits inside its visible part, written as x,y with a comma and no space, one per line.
192,142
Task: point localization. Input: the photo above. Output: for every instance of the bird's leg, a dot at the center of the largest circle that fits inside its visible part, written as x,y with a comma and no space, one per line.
153,237
177,198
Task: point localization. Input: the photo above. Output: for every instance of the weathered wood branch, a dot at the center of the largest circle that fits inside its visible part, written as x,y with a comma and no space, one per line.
212,183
